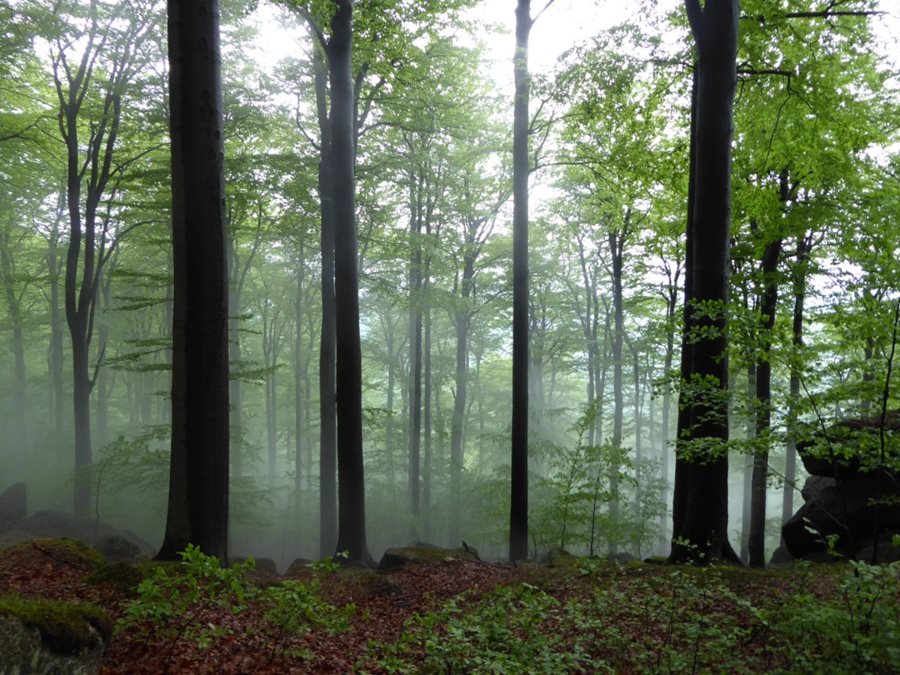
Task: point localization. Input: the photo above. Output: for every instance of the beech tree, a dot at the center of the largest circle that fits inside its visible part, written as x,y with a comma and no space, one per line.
198,479
700,509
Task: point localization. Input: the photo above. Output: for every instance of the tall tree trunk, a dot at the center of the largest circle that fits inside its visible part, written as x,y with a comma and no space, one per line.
55,359
299,396
757,544
518,513
351,494
616,244
415,349
234,357
18,438
327,406
700,514
101,431
798,283
747,478
457,428
198,479
427,385
665,433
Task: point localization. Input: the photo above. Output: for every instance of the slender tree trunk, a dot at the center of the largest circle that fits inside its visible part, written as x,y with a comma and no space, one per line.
457,429
351,495
56,340
415,351
427,385
747,478
18,437
518,515
665,432
804,245
198,481
616,244
234,357
299,397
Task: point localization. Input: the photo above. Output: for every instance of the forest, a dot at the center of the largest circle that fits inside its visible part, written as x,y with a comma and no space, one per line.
577,321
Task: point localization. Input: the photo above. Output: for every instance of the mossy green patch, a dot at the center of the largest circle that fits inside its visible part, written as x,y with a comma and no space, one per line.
65,550
64,626
120,576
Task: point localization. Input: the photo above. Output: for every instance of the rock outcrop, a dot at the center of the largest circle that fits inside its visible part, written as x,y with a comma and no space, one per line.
42,637
850,497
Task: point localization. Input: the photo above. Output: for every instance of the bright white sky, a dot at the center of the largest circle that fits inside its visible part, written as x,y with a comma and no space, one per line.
563,25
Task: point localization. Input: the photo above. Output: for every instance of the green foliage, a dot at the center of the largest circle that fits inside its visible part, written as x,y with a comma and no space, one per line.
486,636
295,609
859,633
171,599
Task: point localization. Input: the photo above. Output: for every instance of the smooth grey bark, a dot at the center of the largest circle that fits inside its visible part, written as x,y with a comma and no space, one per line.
198,479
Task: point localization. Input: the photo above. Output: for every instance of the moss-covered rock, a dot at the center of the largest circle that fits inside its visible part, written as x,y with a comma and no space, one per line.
65,551
45,636
120,576
66,628
395,558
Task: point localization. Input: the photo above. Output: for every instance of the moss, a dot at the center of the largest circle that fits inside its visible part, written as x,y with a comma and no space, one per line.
120,576
64,626
65,550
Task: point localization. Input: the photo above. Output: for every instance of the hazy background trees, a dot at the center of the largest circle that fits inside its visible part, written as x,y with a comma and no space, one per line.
812,246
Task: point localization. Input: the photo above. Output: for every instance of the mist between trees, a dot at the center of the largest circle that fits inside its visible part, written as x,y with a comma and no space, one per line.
375,166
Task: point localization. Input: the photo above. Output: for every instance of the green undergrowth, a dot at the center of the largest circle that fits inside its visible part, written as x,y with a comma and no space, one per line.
186,602
64,626
598,617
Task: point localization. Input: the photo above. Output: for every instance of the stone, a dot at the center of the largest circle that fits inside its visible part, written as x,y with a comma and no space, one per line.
781,556
558,557
117,547
887,551
25,648
261,565
842,509
397,558
13,504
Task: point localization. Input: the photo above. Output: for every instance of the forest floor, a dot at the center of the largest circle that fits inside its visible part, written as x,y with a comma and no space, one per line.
462,616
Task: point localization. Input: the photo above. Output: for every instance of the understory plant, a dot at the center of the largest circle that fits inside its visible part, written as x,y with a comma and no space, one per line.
179,602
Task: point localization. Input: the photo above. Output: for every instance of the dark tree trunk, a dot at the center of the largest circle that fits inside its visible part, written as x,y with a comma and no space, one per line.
327,400
700,512
426,415
665,433
55,357
768,304
518,514
798,283
18,437
457,424
234,357
747,478
300,376
616,245
351,490
198,482
415,349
